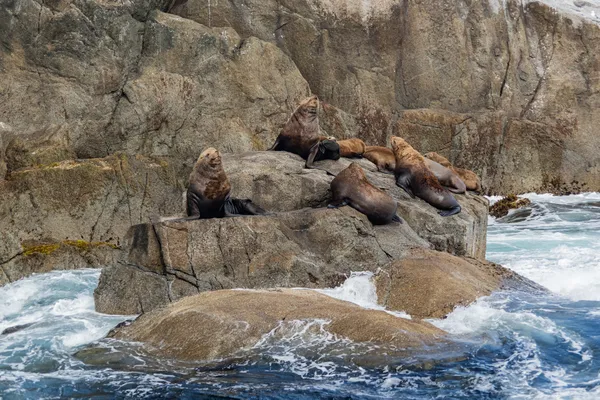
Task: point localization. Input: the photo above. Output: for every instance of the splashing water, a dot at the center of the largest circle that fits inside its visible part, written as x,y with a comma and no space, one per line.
508,345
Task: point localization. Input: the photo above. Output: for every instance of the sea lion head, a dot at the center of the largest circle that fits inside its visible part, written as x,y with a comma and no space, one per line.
210,158
308,107
405,152
356,172
399,144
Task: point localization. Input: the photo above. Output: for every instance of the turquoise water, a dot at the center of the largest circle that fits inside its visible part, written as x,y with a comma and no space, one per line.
509,345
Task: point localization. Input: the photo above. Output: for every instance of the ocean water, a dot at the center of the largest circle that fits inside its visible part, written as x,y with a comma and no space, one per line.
510,345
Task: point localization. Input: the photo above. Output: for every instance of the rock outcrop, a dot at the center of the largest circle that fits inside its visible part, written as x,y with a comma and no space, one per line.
219,324
307,247
73,214
430,284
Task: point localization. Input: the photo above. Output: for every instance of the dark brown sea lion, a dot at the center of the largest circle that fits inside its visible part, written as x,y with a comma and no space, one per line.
15,328
208,191
416,179
382,157
351,187
469,177
300,135
351,148
448,178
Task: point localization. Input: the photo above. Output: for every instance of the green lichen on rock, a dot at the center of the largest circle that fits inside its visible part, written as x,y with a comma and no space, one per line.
510,202
47,248
86,246
44,248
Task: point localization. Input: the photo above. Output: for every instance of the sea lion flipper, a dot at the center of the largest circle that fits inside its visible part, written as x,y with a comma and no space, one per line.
275,145
452,211
311,156
237,207
396,218
403,181
337,203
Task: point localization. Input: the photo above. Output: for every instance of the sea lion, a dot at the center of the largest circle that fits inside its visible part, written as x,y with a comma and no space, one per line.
382,157
351,148
447,178
208,191
469,177
416,179
351,187
15,328
300,135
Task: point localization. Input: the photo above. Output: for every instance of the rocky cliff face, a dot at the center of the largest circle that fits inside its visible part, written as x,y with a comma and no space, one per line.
503,88
105,105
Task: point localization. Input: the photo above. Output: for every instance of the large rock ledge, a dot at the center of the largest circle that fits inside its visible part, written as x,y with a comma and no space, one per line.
278,181
310,247
218,324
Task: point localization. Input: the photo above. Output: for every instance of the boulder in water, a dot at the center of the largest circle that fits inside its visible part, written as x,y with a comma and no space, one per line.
218,324
510,202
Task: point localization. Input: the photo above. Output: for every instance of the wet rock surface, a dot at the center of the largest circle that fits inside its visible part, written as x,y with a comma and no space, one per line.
218,324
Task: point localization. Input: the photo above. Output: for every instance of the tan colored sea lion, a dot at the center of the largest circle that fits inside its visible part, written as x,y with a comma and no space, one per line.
351,187
351,148
208,191
448,178
469,177
413,175
300,135
382,157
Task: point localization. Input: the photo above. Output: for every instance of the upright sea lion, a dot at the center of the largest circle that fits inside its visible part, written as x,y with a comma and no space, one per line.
416,179
208,191
351,148
382,157
351,187
300,135
448,178
469,177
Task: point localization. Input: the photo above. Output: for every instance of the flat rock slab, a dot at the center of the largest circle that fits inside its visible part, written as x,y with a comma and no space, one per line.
218,324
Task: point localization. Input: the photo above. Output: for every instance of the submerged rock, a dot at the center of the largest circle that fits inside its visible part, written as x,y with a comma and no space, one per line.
430,284
502,207
218,324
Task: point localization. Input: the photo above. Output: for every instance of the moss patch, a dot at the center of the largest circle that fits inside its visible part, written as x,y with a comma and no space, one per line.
49,248
46,248
510,202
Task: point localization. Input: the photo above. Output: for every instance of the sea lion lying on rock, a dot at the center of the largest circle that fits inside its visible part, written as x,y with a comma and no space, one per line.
448,178
469,177
413,175
382,157
300,135
351,148
351,187
208,191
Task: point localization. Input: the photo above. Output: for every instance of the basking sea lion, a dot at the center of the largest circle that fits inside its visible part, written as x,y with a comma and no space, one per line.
416,179
208,191
382,157
448,178
351,187
300,135
469,177
351,148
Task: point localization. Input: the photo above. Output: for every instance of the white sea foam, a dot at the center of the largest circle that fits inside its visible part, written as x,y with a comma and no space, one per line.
360,289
